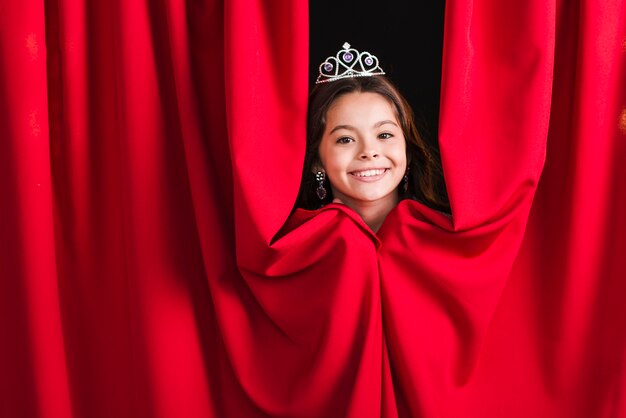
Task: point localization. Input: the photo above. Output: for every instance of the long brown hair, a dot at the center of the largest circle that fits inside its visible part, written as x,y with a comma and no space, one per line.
425,174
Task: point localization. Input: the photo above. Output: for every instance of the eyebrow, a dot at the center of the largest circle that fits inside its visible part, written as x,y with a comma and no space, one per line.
352,128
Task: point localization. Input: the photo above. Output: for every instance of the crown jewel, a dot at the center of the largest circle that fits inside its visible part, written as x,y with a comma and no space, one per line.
348,63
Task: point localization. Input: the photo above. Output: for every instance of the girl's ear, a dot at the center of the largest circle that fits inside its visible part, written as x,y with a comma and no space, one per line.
409,156
315,167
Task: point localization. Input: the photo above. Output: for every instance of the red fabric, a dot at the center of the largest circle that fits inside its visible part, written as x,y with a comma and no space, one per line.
150,151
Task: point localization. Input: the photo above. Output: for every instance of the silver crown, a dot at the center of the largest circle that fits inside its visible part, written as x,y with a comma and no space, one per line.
348,63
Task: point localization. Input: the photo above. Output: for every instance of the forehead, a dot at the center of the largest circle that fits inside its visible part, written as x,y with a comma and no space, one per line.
361,106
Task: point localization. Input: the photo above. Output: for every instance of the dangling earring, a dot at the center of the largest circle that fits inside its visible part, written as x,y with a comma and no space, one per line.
405,181
320,176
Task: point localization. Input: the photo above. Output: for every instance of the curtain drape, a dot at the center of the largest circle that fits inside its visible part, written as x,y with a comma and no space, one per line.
150,155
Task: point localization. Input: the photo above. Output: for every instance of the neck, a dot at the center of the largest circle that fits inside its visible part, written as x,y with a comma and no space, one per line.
374,213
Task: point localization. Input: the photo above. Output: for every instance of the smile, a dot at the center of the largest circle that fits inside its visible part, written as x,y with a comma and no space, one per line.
369,174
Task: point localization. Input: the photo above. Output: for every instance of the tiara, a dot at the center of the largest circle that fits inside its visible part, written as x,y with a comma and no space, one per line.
348,63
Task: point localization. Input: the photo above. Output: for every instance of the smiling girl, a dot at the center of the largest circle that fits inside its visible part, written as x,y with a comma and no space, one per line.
364,150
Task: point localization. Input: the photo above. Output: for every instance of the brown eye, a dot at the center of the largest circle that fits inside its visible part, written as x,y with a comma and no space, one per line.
344,140
385,135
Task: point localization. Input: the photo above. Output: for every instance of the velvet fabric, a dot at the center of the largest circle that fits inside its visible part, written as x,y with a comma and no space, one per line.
150,156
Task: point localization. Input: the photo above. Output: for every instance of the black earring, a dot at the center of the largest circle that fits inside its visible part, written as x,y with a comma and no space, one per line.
320,176
405,181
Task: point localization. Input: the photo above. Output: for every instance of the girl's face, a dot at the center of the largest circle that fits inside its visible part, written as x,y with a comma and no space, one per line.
363,150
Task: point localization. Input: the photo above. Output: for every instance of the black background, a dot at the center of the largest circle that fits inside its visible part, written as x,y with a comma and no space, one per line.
406,36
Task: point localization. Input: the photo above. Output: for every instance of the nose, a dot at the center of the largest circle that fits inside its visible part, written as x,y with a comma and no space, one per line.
368,151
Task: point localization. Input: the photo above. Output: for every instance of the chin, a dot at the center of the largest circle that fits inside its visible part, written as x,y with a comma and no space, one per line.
373,197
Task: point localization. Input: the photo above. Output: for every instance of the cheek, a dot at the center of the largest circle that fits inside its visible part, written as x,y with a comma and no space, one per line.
334,159
400,155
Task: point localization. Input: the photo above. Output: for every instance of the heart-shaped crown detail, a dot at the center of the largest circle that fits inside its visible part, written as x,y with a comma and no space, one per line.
348,63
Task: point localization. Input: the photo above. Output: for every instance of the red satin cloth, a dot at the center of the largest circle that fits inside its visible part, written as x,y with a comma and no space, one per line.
151,151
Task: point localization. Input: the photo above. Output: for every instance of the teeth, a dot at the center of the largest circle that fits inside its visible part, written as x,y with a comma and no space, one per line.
368,173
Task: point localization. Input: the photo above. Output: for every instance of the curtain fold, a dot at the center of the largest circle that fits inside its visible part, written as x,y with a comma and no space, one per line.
32,363
150,152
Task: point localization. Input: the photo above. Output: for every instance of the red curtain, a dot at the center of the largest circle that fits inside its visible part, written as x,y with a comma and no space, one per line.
151,151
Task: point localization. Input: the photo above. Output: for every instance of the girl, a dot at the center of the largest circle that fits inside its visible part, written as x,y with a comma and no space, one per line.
363,146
